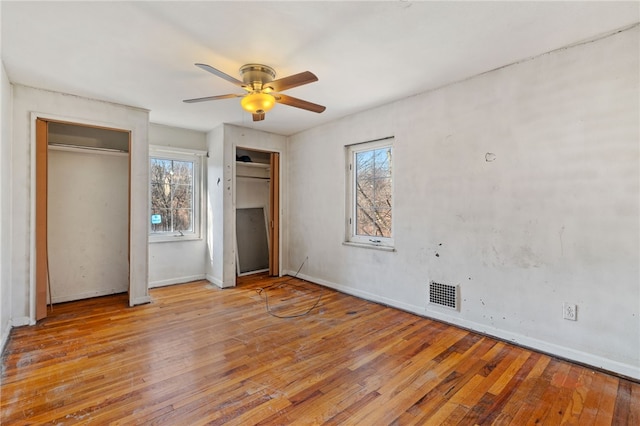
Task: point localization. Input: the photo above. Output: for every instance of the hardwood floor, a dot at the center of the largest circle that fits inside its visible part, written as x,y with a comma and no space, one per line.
201,355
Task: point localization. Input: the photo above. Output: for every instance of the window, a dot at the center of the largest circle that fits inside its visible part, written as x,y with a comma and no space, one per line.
370,193
174,179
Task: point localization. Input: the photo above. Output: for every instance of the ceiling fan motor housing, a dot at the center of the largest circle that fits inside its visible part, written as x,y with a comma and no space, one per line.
256,75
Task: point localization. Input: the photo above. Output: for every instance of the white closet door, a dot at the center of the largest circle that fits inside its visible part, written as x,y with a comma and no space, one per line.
88,225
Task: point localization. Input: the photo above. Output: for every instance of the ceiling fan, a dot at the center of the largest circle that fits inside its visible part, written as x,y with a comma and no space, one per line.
263,92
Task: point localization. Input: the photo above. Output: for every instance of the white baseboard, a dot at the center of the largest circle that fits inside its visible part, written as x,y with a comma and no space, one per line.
20,321
178,280
13,322
87,295
140,300
628,370
418,310
214,280
4,338
219,282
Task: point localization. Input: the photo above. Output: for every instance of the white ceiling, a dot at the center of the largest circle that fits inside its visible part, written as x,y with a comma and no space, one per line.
365,54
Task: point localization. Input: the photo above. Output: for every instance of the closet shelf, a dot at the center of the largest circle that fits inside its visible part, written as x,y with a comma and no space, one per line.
256,165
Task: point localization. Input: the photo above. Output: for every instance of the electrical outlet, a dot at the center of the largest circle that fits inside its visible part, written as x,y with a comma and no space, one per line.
569,311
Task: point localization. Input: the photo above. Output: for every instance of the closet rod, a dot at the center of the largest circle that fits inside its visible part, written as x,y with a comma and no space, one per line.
253,177
67,147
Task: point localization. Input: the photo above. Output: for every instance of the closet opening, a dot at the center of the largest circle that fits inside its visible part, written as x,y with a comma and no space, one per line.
82,212
257,207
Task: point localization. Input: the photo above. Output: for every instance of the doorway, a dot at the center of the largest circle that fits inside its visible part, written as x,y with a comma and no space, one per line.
82,212
257,211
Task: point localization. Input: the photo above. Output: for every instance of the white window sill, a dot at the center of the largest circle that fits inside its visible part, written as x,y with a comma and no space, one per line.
173,238
369,246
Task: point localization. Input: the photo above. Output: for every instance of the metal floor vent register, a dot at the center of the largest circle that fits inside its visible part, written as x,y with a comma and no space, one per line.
443,295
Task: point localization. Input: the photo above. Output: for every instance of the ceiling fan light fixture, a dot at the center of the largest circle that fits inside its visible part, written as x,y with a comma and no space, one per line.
257,102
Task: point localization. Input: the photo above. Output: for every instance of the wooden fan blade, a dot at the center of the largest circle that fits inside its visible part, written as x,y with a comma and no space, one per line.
298,103
220,74
211,98
258,117
292,81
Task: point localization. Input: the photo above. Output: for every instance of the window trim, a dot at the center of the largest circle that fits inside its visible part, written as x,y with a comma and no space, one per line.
179,154
351,238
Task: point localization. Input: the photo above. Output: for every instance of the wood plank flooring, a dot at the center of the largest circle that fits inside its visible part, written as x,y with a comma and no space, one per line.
200,355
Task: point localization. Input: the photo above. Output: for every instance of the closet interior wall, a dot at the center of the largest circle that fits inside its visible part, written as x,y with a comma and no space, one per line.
87,212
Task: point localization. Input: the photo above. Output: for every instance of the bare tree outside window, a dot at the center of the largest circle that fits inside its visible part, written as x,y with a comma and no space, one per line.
373,192
171,195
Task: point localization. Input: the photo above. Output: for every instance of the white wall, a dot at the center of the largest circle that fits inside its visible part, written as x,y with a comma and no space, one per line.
5,206
252,190
222,143
252,193
29,102
553,219
87,223
179,261
177,137
219,183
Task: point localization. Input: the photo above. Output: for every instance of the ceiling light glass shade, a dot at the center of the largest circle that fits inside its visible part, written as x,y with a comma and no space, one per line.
258,103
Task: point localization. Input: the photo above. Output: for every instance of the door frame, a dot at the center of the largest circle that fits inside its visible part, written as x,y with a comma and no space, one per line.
274,214
38,280
274,230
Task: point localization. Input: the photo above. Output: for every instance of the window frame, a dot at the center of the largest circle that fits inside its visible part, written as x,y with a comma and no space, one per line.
351,237
177,154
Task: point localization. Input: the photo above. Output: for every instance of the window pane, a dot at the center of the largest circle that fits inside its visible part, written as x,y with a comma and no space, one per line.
383,222
364,165
364,195
382,194
364,222
382,162
182,220
373,192
172,195
373,222
182,196
160,170
183,172
160,196
161,220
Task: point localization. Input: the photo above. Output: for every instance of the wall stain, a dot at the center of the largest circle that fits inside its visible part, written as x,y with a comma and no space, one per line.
526,258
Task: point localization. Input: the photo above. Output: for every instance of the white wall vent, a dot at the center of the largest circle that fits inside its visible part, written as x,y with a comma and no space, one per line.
443,295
